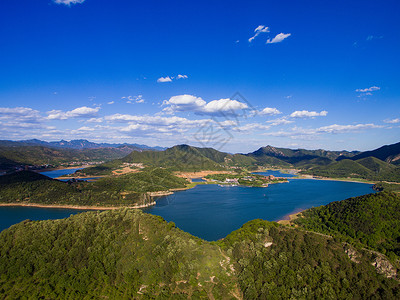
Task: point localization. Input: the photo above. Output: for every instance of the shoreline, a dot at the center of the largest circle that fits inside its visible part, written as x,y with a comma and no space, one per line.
60,168
365,181
77,207
287,219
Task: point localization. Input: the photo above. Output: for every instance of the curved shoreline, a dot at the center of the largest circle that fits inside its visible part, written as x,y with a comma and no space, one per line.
76,206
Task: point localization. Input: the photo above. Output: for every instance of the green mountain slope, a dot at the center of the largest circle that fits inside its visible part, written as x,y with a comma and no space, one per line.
132,255
369,168
181,157
372,220
300,158
39,155
388,153
27,187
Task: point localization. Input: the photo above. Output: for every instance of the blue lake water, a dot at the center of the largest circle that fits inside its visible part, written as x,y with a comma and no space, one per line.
58,173
275,173
211,212
10,215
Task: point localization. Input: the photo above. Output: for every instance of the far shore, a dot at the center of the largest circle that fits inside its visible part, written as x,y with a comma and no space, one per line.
60,168
76,206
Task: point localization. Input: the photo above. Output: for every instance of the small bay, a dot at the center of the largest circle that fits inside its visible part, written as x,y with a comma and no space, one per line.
211,212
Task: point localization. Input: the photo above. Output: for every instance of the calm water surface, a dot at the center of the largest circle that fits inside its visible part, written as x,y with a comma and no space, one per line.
210,211
58,173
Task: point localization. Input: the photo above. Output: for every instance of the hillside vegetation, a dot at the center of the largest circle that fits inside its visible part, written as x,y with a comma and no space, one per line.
371,220
14,156
27,187
369,168
127,254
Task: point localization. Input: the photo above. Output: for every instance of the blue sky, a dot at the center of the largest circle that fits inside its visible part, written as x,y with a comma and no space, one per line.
233,75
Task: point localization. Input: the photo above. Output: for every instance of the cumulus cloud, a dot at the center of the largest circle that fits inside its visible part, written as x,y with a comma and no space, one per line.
68,2
170,78
278,38
198,105
22,114
308,114
370,89
392,121
80,112
269,111
164,79
258,30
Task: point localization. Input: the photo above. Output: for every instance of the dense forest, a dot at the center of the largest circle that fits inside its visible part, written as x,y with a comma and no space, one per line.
372,221
27,187
128,254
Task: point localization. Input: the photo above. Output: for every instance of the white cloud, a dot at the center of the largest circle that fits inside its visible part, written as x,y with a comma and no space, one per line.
392,121
68,2
80,112
199,106
95,120
278,38
111,102
134,99
345,128
301,133
269,111
223,105
258,30
164,79
170,78
22,114
308,114
281,121
370,89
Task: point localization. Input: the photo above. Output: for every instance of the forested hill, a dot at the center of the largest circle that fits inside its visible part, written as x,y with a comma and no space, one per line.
371,220
14,156
369,168
388,153
131,255
189,158
132,189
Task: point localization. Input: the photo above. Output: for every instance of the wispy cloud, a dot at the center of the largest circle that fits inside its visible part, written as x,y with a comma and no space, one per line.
374,37
68,2
308,114
392,121
80,112
367,91
278,38
171,78
258,30
370,89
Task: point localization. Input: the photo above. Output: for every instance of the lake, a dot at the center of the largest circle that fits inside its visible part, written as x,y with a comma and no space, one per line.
61,172
211,212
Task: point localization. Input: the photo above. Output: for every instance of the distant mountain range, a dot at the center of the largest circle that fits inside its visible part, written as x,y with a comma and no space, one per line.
77,144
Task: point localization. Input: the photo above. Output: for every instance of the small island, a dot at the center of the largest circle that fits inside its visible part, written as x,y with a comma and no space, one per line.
245,179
